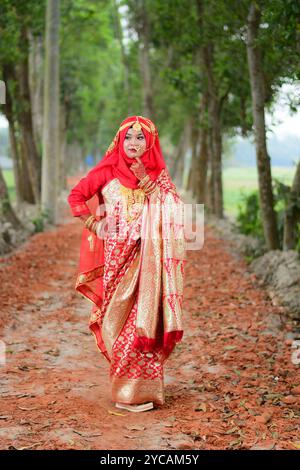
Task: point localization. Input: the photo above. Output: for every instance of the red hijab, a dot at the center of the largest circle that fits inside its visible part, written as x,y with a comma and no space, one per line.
115,164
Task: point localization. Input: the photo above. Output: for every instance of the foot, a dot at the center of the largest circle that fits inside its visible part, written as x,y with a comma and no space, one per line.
136,408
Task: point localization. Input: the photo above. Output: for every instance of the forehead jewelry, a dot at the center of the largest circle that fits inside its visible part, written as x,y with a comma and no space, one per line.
137,126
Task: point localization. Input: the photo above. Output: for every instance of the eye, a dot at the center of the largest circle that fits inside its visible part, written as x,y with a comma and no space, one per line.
141,137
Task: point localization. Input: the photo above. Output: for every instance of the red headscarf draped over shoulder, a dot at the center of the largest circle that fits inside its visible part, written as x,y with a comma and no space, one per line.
116,158
116,164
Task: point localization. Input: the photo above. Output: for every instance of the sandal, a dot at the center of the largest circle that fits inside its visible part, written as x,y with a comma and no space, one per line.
136,408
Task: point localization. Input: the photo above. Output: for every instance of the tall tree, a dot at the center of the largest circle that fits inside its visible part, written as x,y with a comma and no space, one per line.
140,21
125,58
24,116
257,82
50,170
17,21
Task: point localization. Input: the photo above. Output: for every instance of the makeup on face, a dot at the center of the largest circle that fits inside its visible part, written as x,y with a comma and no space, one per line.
134,143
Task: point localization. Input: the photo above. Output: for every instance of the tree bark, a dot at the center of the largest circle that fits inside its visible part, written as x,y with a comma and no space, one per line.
50,170
23,184
8,111
177,168
6,211
195,135
36,86
63,148
292,213
214,108
143,30
258,103
24,116
210,193
202,159
126,68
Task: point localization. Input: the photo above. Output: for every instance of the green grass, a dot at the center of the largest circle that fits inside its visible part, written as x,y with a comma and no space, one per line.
10,182
244,180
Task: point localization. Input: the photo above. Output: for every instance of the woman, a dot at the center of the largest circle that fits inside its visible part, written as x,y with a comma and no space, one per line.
132,262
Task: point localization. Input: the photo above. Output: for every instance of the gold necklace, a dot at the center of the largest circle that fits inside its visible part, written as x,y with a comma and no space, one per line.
130,197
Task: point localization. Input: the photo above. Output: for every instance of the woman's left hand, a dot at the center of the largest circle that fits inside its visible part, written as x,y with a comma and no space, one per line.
138,168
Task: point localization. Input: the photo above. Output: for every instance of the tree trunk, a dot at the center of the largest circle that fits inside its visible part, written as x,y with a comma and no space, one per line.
210,193
24,191
206,54
36,86
50,174
73,155
202,160
8,111
6,211
26,185
177,167
292,213
63,147
258,103
144,60
16,163
214,108
24,116
195,134
126,68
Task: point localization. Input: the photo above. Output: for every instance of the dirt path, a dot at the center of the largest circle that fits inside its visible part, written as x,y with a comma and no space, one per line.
229,384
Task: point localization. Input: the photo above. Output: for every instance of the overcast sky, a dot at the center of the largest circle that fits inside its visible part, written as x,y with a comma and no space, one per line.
285,124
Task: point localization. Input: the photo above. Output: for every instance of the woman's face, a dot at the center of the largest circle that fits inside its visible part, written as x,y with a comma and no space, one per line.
134,143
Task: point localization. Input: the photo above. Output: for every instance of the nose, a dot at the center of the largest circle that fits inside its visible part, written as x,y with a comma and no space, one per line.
134,142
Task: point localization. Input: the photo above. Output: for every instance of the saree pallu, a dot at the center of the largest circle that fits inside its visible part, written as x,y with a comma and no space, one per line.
138,319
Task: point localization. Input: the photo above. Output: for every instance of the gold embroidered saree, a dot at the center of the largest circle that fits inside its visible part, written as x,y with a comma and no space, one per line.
136,318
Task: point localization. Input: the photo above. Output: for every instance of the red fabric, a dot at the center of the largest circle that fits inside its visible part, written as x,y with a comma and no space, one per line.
86,198
116,164
87,187
152,158
166,345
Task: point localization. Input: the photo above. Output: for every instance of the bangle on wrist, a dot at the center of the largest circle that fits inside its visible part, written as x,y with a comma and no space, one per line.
151,190
90,225
149,186
94,227
148,183
144,180
89,221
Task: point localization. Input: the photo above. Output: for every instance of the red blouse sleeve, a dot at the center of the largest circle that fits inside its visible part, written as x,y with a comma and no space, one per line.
85,190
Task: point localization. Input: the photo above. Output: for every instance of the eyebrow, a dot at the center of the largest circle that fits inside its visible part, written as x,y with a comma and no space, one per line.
140,133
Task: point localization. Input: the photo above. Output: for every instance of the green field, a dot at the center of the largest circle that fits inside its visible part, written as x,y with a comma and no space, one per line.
245,180
235,182
10,181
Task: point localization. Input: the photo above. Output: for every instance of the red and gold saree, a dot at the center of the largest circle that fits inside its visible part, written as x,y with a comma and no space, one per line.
136,285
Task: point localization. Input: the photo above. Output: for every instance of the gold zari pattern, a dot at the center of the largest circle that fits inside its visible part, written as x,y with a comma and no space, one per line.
151,286
130,198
